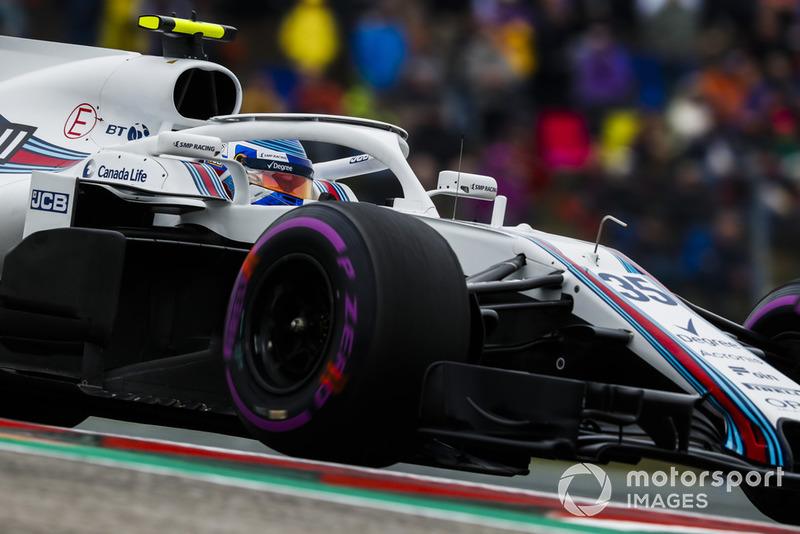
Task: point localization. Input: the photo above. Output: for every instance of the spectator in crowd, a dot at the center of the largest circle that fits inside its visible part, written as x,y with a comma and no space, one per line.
678,116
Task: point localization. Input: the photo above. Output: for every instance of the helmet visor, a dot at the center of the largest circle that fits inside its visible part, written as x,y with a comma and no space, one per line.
292,184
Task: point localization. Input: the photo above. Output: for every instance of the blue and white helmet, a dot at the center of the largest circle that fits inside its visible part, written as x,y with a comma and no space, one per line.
279,171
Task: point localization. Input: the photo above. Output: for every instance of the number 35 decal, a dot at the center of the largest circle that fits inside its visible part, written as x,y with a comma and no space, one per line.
637,288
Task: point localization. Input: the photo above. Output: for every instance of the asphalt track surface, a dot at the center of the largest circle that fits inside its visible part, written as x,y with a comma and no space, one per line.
57,481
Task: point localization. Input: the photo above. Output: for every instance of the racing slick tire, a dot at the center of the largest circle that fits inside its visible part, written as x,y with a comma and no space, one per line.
777,317
336,314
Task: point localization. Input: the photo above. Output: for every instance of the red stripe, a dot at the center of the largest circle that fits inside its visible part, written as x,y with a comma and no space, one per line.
30,158
675,519
207,180
753,449
432,488
131,444
22,425
344,476
331,189
386,481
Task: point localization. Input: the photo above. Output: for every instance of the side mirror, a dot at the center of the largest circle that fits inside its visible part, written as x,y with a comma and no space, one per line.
477,186
454,183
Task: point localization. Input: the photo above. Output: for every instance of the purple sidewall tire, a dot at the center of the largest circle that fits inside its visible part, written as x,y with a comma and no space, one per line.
378,295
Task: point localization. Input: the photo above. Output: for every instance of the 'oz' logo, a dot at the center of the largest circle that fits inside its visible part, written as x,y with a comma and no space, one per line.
49,201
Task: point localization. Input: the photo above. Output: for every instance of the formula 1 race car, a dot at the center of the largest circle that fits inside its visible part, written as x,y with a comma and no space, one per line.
167,260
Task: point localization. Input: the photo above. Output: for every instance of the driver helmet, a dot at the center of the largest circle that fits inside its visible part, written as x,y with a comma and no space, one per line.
279,171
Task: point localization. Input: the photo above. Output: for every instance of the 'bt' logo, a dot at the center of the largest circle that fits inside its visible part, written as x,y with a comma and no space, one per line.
49,201
137,131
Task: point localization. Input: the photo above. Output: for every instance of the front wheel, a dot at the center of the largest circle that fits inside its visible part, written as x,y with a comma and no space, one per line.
337,312
777,317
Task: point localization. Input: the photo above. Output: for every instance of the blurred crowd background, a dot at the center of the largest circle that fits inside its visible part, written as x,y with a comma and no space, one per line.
680,117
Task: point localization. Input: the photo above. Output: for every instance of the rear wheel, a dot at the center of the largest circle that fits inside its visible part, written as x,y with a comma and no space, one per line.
336,314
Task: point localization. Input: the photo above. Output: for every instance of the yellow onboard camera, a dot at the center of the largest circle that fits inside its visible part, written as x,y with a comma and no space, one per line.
183,38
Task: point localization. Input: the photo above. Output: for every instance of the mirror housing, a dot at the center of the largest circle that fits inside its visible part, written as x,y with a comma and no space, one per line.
454,183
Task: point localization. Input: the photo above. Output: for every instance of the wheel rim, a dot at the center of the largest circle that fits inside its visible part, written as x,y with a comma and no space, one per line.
292,325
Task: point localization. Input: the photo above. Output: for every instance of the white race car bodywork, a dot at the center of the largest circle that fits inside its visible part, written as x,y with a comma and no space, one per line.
607,288
116,124
105,97
611,291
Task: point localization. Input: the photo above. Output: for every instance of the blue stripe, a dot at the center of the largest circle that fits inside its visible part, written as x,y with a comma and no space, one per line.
26,168
733,393
734,438
283,145
320,185
625,263
340,190
198,181
37,146
215,180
